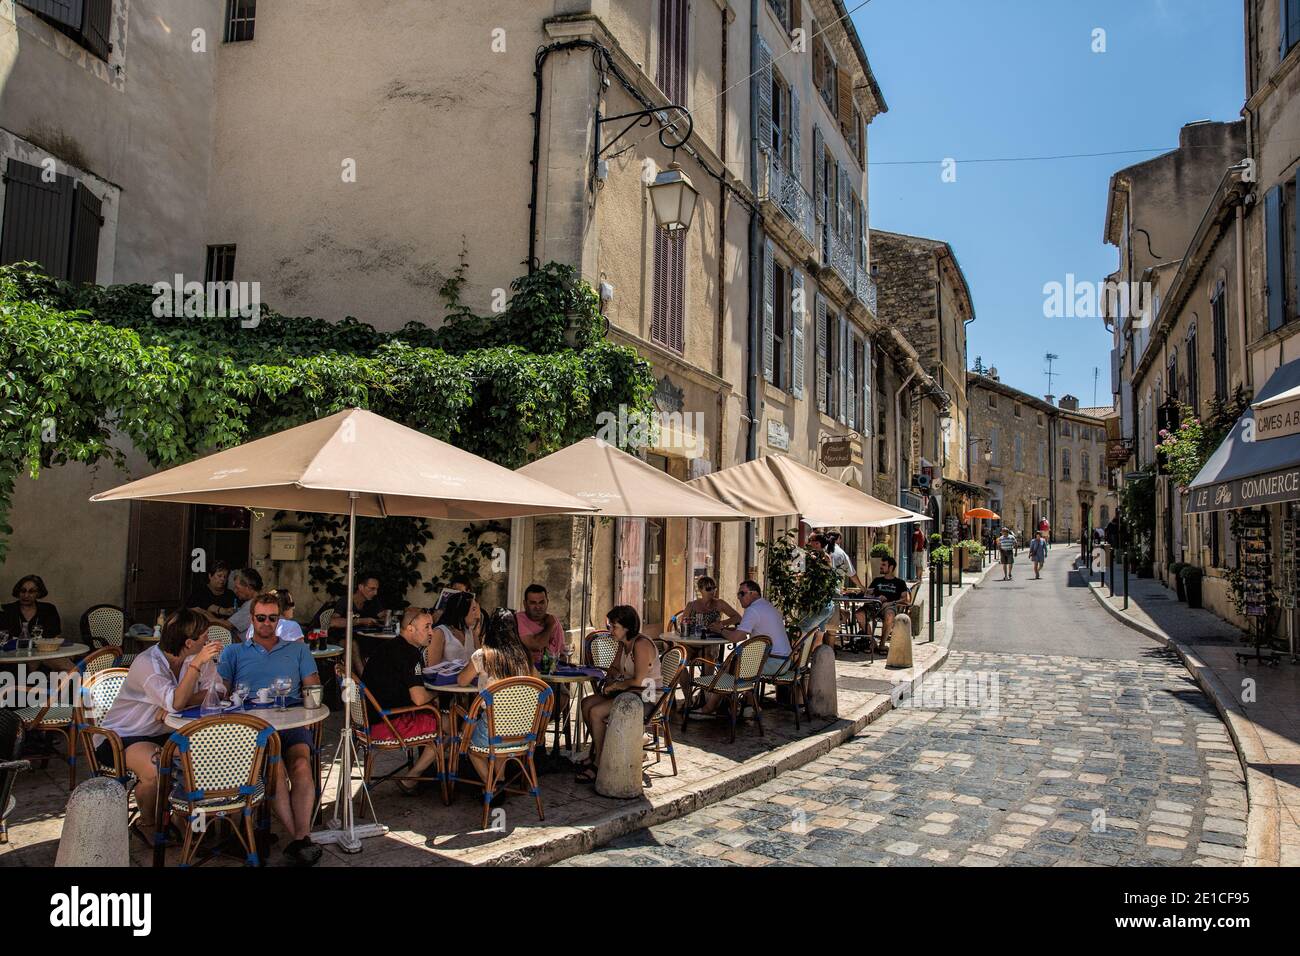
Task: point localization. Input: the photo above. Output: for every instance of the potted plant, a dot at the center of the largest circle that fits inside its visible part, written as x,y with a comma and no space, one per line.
1176,579
879,551
1191,578
973,554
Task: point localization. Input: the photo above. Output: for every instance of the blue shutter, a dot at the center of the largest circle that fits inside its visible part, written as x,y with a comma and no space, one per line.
769,313
1274,234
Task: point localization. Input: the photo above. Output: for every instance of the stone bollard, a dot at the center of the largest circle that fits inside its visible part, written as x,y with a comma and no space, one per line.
94,829
619,774
900,644
823,693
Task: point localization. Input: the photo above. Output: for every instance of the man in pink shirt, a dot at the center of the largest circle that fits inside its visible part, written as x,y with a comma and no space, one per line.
538,629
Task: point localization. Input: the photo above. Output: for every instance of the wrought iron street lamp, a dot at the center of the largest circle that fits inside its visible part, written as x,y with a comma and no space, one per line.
673,197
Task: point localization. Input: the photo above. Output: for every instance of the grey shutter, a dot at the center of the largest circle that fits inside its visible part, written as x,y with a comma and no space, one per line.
798,317
764,78
868,363
862,232
1276,265
1284,39
659,291
796,138
851,392
37,224
1295,239
819,171
819,333
98,23
83,260
769,313
66,12
841,384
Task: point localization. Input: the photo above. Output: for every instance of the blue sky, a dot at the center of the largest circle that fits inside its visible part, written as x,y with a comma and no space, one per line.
972,79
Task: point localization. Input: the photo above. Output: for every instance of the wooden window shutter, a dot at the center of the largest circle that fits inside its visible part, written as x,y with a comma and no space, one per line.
844,83
818,55
667,318
677,297
83,261
819,170
864,251
764,62
842,366
796,137
658,293
1274,232
867,365
670,73
65,12
798,317
769,312
37,223
851,389
820,343
796,15
98,23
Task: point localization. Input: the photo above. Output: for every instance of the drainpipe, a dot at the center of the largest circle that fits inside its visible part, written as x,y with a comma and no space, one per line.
1241,293
898,447
754,413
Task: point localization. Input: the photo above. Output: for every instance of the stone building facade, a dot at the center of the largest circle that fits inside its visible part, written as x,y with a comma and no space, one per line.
490,140
924,292
1012,446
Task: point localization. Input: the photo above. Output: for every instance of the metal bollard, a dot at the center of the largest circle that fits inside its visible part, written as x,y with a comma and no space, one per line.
938,592
1126,578
1110,566
931,608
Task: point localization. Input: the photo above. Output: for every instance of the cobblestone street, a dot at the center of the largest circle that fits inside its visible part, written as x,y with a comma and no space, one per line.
1071,759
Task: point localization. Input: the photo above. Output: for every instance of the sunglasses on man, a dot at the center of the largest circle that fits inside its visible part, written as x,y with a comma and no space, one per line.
263,618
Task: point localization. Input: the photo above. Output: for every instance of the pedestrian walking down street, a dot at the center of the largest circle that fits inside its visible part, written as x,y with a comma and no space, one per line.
1007,545
1038,553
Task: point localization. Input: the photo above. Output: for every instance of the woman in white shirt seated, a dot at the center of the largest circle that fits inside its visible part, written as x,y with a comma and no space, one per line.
162,680
453,638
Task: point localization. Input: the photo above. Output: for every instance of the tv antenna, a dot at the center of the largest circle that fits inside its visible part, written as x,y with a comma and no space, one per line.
1096,372
1051,357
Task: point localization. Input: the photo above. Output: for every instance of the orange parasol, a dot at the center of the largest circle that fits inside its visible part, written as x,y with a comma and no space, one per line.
982,513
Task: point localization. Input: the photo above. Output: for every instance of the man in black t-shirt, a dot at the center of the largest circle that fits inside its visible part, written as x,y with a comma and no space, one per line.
891,589
366,612
393,676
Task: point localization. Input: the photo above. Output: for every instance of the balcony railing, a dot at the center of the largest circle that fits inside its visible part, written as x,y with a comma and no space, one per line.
864,288
782,187
840,256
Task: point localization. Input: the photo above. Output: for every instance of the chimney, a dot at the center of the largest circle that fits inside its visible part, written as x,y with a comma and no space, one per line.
1069,403
993,374
1050,399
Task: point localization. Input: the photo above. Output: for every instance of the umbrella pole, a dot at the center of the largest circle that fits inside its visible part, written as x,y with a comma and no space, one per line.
586,585
348,835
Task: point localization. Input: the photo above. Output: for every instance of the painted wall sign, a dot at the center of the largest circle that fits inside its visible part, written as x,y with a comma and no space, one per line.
1278,421
837,454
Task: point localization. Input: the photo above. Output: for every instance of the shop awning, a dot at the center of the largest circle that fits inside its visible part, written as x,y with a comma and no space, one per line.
1249,468
965,488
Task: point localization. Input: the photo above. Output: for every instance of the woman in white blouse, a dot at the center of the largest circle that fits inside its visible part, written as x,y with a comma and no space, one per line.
453,638
162,680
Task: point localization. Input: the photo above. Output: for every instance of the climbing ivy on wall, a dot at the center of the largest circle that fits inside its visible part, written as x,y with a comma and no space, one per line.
84,367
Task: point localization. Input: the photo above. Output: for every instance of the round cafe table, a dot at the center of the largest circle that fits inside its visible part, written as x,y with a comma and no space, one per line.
329,650
23,657
580,681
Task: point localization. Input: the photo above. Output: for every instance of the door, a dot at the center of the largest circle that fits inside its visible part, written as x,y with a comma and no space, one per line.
158,559
652,614
219,534
631,558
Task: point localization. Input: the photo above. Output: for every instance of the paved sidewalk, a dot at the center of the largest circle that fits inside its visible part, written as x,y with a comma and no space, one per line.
1260,705
424,832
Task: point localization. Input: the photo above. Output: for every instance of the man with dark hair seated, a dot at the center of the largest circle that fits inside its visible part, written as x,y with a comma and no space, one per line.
258,663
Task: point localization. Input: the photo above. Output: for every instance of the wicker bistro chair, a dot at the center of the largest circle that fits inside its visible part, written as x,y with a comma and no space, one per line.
9,767
737,679
98,692
599,649
791,672
366,713
56,721
656,724
99,660
515,711
104,625
220,634
221,760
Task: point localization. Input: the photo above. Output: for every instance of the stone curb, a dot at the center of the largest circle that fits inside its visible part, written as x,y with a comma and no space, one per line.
1263,813
545,849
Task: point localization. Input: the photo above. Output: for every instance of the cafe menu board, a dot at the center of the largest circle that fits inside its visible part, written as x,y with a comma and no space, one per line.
1288,585
952,529
1255,560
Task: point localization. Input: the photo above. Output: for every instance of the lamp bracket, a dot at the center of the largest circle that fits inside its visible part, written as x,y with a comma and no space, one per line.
671,134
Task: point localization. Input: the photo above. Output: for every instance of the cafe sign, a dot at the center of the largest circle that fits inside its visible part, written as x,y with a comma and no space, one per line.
837,454
1278,421
1266,489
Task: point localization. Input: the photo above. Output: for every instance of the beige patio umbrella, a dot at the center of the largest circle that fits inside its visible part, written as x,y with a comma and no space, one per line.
775,486
620,485
355,463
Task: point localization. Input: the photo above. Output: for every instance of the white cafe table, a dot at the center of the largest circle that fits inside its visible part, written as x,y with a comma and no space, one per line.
23,657
278,719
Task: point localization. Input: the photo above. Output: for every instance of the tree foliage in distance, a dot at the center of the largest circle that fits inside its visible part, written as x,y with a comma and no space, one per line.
90,370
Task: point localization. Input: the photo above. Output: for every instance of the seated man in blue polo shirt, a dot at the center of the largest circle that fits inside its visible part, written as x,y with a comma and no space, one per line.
258,663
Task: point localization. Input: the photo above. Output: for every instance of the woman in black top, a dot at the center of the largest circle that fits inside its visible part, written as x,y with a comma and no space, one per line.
29,609
214,599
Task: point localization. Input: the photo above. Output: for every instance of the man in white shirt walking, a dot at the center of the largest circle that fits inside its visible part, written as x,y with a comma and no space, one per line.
1007,545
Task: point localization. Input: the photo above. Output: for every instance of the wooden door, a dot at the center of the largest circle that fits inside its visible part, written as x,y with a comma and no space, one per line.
158,559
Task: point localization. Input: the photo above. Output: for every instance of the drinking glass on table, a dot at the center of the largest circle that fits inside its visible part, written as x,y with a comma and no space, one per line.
242,691
281,686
